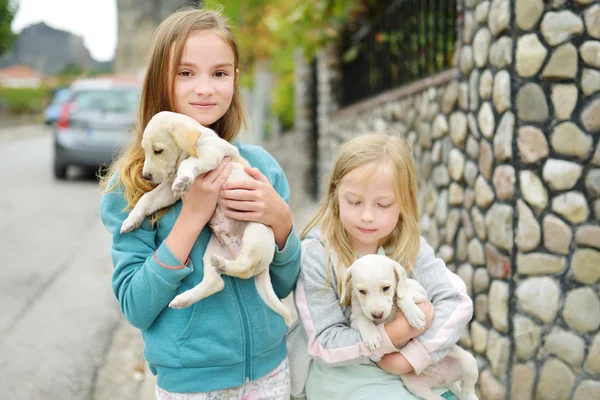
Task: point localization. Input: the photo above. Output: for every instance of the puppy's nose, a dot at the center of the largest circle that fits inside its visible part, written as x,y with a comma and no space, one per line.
377,315
147,177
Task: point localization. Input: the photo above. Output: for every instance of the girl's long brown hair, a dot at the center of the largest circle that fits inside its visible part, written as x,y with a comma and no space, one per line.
371,149
157,95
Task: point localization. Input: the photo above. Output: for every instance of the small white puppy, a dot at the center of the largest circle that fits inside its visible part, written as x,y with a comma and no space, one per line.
379,287
177,149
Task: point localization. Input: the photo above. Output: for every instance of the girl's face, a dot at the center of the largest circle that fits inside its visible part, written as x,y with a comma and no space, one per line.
369,209
205,78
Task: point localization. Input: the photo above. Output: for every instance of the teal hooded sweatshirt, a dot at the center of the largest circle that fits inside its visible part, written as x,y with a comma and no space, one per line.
219,342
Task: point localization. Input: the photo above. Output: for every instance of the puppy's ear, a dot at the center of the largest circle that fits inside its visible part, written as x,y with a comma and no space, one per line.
346,295
401,280
186,138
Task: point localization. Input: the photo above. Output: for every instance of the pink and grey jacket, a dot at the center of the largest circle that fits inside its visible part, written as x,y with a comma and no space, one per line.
327,336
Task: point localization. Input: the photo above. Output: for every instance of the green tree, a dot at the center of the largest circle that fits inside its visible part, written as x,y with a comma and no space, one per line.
8,9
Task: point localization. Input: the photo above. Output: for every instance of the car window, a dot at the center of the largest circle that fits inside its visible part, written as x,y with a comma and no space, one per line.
60,96
108,100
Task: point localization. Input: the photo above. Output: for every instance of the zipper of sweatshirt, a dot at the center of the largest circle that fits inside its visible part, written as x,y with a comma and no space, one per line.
245,331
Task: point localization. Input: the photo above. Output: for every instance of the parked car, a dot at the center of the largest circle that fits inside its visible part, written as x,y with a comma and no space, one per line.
94,123
52,112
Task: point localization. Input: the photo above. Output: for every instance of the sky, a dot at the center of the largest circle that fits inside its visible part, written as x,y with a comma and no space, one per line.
94,20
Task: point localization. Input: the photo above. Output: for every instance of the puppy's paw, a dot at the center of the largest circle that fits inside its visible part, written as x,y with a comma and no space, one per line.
372,339
132,222
219,262
415,317
181,301
182,183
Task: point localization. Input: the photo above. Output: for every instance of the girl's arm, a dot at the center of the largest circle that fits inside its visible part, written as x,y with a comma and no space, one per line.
265,199
330,338
453,310
146,277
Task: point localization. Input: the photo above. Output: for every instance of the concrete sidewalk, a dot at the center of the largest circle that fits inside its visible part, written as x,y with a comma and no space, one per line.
125,375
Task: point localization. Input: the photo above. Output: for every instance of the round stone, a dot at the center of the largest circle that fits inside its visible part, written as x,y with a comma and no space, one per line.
501,52
590,81
485,118
582,310
531,103
588,235
503,137
481,280
499,16
498,305
587,389
590,117
567,139
585,266
485,84
528,12
571,205
486,159
539,264
558,27
498,222
481,12
466,60
561,174
504,182
528,229
557,235
562,64
564,99
539,296
458,128
592,363
556,381
481,46
565,345
532,144
533,190
590,53
484,196
531,54
591,16
527,337
501,97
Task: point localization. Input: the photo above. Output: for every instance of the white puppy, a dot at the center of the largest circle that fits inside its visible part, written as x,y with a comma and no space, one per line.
177,149
379,287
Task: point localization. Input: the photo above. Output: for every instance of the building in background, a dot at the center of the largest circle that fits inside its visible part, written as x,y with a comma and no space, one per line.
137,20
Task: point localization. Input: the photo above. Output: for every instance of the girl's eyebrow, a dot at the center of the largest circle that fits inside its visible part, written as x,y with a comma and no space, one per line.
220,65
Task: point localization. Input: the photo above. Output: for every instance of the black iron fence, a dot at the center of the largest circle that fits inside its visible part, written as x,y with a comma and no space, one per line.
409,40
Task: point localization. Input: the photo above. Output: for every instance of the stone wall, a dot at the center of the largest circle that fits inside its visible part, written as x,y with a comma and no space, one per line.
506,147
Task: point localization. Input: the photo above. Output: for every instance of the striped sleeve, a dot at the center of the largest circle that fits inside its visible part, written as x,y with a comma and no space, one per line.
331,340
453,310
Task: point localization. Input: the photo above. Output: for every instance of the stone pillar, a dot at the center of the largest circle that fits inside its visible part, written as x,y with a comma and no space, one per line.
534,114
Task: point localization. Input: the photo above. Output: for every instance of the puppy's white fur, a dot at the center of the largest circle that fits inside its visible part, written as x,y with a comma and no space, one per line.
177,149
379,286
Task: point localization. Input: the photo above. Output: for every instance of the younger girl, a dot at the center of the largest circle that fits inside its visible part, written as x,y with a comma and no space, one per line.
370,207
230,344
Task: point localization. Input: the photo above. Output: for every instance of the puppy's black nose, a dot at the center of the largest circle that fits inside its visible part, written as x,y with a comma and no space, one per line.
377,315
147,177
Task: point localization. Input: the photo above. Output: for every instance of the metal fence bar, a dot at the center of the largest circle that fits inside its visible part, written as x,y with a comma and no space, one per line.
407,41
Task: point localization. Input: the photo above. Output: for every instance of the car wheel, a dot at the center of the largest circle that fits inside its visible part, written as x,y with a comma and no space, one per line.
60,170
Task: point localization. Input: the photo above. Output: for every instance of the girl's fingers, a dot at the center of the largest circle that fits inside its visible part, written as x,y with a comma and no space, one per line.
223,175
256,174
212,175
236,205
239,194
242,215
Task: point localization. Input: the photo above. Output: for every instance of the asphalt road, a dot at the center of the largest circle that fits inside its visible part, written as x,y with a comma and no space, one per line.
58,315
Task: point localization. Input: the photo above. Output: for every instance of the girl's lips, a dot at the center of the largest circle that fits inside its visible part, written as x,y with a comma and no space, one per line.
203,105
363,230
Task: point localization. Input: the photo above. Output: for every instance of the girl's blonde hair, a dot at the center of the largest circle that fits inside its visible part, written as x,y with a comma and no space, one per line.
375,149
158,95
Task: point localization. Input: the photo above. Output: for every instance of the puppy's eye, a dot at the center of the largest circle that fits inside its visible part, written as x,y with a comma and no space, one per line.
362,291
158,151
386,288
